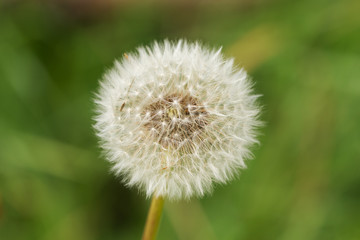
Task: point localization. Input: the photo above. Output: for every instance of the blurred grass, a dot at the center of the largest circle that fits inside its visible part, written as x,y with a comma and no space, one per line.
304,57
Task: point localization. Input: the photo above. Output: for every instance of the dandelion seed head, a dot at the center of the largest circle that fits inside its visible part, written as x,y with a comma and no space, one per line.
176,118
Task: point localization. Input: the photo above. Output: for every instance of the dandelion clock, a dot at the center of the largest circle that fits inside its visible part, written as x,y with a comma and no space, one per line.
174,119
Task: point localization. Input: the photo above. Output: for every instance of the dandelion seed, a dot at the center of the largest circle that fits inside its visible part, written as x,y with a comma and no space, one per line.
193,123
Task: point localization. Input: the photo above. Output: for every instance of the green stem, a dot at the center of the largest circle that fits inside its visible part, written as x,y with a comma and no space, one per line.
153,218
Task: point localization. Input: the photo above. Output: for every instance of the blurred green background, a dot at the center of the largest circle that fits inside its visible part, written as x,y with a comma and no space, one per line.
304,56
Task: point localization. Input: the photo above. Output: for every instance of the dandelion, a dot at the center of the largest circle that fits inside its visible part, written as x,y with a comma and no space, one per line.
176,118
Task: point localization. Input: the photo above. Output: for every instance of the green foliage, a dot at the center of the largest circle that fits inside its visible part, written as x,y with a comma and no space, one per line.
304,182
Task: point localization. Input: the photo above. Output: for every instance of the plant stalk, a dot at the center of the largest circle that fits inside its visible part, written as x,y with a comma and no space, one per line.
153,218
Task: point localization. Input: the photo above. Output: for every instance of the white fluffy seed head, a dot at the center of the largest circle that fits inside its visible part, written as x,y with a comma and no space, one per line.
175,118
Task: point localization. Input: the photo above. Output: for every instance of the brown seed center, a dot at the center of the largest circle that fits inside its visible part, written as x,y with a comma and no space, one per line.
175,120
